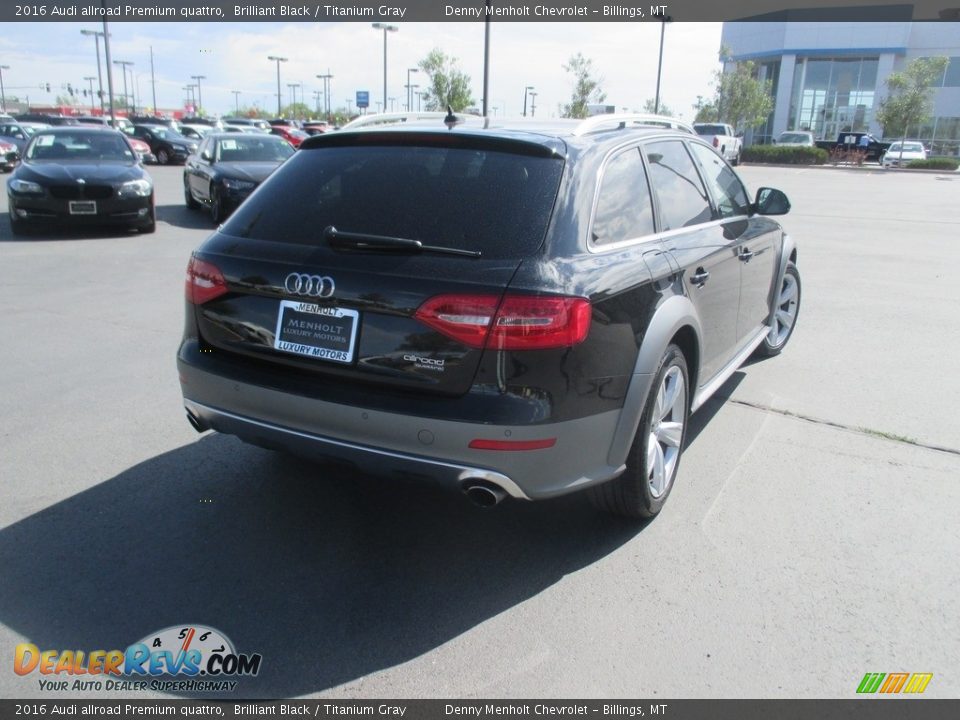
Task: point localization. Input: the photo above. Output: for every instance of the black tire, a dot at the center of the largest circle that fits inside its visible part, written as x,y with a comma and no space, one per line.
163,157
736,160
631,494
216,206
188,196
770,347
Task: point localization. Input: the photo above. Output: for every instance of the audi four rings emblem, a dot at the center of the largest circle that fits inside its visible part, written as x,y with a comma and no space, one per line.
312,285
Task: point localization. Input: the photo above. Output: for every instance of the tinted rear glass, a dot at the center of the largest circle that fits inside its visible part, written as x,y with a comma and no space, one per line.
711,130
495,202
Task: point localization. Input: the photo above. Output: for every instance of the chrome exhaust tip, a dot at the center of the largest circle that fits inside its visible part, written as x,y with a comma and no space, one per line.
483,494
196,423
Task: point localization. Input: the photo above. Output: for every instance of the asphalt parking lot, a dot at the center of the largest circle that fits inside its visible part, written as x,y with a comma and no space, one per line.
811,537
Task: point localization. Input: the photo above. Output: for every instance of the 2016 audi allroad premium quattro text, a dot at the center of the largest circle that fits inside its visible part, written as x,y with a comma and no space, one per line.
524,310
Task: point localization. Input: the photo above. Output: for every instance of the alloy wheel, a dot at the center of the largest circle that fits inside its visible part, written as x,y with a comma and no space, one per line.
666,431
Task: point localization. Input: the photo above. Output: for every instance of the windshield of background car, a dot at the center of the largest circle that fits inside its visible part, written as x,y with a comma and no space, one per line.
794,138
710,130
907,147
80,146
165,133
246,148
496,202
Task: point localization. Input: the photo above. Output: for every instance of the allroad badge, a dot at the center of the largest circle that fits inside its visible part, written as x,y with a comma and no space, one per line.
310,285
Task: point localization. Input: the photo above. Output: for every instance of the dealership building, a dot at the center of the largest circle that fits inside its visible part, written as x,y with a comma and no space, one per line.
829,77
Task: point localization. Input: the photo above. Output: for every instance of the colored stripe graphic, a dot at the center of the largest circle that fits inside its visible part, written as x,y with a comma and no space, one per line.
894,683
918,682
870,682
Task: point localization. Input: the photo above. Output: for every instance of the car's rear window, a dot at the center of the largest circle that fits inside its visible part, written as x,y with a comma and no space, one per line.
710,130
496,202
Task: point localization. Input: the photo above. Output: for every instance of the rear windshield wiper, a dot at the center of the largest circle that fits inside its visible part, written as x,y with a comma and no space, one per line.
365,241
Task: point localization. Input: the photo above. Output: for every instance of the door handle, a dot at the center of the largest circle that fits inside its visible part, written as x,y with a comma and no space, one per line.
745,255
700,278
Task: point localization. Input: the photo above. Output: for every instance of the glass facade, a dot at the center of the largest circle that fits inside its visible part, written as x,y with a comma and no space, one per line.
833,95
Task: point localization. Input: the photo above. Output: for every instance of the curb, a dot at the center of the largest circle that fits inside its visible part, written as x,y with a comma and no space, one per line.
860,168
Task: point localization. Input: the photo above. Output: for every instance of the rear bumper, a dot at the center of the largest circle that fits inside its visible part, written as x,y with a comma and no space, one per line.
391,444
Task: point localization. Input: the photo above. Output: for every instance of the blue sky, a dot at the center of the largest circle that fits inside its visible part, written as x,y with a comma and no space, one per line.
233,56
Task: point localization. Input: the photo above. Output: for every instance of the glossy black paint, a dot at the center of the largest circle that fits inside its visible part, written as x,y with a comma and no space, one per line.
61,184
625,285
175,147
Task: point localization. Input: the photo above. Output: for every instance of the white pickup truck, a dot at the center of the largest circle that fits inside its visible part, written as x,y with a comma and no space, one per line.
723,138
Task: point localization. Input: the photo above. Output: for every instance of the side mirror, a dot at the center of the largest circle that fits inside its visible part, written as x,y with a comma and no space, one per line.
206,156
771,202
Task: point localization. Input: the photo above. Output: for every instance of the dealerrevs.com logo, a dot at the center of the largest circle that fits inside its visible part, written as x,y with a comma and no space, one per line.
200,658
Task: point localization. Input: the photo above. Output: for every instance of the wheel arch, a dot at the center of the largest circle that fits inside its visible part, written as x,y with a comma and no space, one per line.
674,322
788,254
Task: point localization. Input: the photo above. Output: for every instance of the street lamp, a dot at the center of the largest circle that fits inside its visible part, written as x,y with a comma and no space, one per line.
89,79
198,78
533,103
526,90
393,104
326,91
236,102
386,29
410,89
278,60
3,94
124,64
656,98
96,36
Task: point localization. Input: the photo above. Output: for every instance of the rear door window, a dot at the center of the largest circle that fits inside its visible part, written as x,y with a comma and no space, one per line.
624,210
681,196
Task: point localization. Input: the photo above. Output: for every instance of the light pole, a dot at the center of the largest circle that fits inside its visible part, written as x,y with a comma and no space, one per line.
656,98
278,60
410,88
198,78
386,29
326,91
96,37
124,64
393,104
236,102
526,90
349,106
3,94
89,79
533,104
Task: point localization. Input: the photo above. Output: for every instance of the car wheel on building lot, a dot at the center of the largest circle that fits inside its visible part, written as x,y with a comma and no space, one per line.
643,488
736,158
785,314
188,196
216,206
162,157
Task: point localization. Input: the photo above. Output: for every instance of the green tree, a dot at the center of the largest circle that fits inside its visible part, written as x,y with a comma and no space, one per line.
648,107
706,111
297,111
743,100
248,111
910,101
586,87
447,83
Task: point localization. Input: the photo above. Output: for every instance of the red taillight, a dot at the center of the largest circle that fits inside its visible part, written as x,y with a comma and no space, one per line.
716,141
522,322
480,444
204,282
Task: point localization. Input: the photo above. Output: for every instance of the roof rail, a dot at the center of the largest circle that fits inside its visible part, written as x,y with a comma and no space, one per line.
624,120
401,117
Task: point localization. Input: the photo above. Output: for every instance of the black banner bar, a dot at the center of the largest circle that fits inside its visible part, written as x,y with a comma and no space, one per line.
476,10
879,708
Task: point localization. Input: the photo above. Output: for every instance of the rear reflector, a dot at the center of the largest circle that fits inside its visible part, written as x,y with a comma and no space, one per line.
204,282
522,322
513,444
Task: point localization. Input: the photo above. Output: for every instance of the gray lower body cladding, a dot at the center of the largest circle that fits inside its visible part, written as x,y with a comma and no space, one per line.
386,443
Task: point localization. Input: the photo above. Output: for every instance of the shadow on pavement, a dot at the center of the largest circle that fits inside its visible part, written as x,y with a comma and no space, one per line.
327,575
183,217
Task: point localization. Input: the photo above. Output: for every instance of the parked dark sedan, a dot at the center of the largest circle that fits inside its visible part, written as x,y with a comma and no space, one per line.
168,146
228,167
76,175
